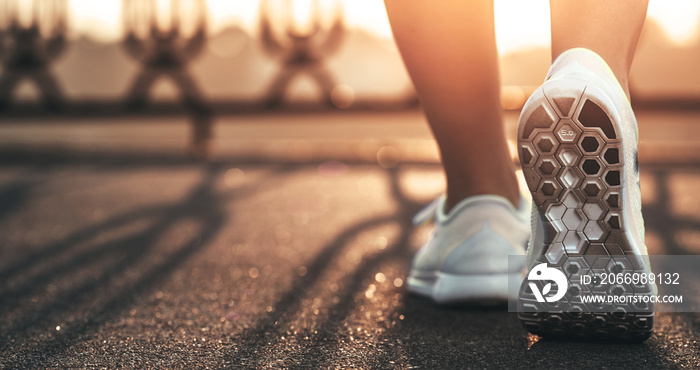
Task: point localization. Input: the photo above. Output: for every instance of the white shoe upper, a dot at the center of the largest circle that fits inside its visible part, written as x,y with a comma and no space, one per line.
474,238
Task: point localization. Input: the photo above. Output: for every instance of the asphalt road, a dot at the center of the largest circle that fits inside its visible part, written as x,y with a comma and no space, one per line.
139,258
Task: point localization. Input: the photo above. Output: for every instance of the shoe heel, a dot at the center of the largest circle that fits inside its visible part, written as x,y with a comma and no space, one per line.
570,147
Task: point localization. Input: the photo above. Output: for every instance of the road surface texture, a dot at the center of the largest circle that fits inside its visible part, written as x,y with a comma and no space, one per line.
289,248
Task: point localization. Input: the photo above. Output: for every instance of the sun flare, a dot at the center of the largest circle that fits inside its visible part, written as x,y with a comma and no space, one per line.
519,24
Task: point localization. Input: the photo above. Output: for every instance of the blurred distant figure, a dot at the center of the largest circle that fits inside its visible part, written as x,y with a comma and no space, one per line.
27,54
301,51
166,52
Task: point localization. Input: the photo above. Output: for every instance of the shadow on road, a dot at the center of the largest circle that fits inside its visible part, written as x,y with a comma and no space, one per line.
269,330
427,336
129,273
439,337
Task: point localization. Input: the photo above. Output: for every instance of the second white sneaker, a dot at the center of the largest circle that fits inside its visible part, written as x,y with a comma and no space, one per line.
466,258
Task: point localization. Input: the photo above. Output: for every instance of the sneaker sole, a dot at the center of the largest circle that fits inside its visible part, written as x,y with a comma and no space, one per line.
571,151
446,288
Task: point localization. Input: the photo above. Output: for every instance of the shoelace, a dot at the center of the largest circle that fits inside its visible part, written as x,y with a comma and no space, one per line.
427,214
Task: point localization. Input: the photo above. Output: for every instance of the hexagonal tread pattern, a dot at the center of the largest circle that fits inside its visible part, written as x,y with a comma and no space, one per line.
538,119
592,115
590,144
573,165
564,104
591,166
569,164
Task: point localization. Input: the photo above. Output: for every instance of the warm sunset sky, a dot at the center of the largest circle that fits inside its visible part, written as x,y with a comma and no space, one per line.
519,23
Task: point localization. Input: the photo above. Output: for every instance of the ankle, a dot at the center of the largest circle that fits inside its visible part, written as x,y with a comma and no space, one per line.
622,77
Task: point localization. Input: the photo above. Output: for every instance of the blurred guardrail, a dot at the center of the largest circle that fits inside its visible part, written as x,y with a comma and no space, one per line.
167,39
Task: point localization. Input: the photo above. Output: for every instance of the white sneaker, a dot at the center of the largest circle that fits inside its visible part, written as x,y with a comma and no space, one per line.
466,258
577,141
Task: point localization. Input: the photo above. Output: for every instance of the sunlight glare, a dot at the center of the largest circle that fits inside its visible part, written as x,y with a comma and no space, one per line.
519,24
302,14
164,14
368,15
678,18
25,12
227,13
100,20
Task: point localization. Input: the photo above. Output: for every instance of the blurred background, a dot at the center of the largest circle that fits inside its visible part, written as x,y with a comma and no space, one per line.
229,57
209,60
239,60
